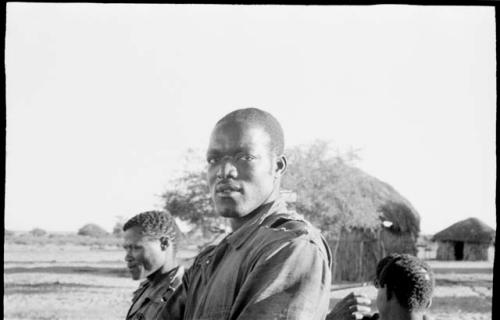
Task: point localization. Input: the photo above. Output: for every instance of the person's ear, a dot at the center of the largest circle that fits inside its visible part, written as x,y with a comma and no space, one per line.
164,243
429,303
281,165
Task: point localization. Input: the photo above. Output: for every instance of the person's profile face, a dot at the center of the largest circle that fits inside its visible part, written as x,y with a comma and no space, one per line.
241,168
143,255
382,301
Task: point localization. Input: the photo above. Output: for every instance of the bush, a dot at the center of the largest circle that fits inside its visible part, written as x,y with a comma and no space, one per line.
118,229
38,232
92,230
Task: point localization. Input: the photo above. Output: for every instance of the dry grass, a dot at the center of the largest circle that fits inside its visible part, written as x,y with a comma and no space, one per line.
78,282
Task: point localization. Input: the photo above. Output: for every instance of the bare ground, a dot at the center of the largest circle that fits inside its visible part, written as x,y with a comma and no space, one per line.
77,282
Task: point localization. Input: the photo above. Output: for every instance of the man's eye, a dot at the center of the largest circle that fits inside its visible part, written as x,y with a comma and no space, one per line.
211,160
245,157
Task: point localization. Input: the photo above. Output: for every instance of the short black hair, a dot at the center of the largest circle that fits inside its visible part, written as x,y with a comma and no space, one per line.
262,118
154,224
409,278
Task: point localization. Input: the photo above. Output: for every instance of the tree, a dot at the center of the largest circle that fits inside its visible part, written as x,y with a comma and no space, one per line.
188,196
38,232
118,228
189,199
314,173
92,230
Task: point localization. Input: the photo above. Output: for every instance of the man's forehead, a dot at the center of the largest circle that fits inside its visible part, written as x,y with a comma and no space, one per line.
135,233
238,130
238,125
237,133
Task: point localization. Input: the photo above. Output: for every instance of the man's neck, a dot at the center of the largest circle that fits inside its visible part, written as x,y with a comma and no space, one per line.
236,223
169,266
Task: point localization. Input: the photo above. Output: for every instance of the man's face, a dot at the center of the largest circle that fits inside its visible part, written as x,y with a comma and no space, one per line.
242,170
382,301
143,256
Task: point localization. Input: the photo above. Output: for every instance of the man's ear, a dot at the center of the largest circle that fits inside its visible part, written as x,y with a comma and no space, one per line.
164,243
281,165
429,303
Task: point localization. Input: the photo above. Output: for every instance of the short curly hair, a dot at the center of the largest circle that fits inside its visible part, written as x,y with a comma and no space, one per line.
262,118
154,224
409,278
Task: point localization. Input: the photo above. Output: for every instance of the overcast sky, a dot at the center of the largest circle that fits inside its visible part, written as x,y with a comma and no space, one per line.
104,99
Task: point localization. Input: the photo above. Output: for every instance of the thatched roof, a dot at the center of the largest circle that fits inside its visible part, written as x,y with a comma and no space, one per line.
370,201
468,230
348,197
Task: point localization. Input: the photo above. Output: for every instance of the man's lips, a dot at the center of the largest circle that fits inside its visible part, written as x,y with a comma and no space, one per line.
225,189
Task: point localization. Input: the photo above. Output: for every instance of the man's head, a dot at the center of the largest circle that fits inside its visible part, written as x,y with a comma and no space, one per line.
149,242
245,161
404,282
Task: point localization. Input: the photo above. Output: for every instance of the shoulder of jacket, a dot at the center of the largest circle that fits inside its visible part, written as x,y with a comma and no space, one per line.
205,252
293,227
289,222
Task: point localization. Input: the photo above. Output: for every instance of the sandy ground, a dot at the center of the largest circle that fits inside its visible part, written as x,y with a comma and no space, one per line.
75,282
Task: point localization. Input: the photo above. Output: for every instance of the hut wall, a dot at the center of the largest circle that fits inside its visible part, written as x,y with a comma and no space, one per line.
445,251
356,253
475,251
398,243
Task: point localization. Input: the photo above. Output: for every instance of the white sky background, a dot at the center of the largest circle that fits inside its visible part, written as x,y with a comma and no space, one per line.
104,99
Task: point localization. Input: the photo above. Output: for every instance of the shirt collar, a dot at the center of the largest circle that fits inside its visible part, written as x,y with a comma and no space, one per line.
241,235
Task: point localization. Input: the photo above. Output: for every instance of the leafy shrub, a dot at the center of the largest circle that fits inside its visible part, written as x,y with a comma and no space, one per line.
38,232
92,230
118,229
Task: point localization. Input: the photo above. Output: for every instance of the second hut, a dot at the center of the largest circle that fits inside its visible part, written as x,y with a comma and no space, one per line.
468,239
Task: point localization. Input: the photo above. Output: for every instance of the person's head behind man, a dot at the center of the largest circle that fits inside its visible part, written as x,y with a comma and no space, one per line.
245,162
405,285
149,240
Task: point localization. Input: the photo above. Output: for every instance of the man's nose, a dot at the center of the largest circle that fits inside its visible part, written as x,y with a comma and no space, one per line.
227,169
128,256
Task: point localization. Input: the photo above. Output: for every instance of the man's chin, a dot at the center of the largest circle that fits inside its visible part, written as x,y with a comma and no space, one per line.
229,214
137,275
228,211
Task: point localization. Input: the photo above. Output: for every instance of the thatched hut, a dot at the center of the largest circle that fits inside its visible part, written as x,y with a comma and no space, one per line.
468,239
362,218
377,221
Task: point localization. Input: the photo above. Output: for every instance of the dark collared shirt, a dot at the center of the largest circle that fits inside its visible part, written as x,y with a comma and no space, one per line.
153,293
275,266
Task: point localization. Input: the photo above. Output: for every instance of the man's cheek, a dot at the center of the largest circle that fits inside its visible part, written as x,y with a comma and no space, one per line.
211,183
